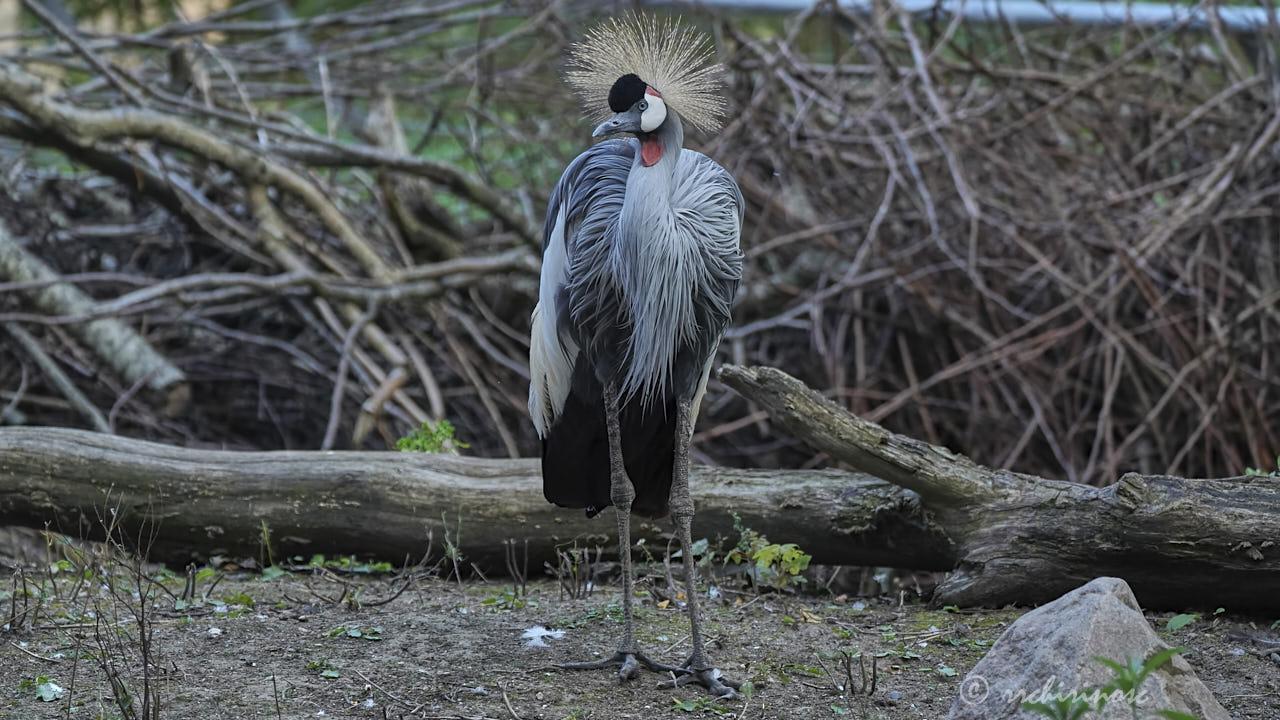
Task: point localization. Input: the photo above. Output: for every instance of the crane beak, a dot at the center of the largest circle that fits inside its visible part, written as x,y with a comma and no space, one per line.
628,121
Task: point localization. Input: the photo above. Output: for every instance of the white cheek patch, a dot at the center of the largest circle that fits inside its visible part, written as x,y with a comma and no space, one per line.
653,115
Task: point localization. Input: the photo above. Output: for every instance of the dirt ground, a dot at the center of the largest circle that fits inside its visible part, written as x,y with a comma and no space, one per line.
288,647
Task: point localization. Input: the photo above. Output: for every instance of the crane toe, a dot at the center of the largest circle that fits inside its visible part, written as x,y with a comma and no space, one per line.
710,678
628,664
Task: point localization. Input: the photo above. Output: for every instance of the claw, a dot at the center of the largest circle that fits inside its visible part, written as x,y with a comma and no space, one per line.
710,678
628,664
630,669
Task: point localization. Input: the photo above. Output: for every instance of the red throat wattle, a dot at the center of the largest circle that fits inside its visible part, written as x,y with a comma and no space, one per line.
650,151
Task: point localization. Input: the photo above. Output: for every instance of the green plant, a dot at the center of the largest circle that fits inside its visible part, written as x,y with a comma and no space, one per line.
1258,471
46,690
325,668
777,565
1177,622
240,598
348,563
373,634
1128,677
1126,681
788,560
701,705
432,439
507,599
1060,705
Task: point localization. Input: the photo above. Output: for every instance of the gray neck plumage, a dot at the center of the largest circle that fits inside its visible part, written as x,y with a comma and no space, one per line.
652,258
646,184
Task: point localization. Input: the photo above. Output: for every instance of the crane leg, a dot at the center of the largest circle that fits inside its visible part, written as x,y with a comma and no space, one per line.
699,668
627,658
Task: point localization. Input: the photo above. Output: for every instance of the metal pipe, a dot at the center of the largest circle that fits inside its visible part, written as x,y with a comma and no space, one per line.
1035,12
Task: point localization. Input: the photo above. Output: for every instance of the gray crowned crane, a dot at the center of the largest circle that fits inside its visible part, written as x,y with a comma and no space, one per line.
640,264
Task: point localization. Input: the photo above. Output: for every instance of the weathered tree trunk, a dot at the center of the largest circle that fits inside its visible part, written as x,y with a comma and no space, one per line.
382,504
1024,539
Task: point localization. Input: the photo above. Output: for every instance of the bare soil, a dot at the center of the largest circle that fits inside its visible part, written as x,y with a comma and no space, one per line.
287,647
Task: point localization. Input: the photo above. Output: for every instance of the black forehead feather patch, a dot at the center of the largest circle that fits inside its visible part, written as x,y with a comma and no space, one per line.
626,91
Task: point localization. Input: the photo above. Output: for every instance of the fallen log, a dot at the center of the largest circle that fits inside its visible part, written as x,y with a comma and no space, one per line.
1025,539
1007,538
194,503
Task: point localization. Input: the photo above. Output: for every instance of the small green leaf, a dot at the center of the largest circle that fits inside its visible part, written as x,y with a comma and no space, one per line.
1157,660
839,710
1115,666
48,691
947,671
330,673
1177,622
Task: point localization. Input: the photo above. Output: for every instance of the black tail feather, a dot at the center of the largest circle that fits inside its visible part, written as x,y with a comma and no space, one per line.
575,453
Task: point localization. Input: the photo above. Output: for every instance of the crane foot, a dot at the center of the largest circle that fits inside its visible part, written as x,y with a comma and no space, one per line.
628,664
709,678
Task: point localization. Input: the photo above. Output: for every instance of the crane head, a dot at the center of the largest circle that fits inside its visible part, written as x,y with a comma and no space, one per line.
669,67
637,107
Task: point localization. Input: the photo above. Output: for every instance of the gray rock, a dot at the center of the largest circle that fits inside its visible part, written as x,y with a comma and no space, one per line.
1053,646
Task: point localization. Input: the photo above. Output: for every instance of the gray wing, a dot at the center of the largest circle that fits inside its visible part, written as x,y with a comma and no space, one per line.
709,205
583,209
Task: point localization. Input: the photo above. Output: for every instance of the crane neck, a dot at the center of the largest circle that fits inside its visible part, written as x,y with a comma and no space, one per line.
646,206
659,151
653,263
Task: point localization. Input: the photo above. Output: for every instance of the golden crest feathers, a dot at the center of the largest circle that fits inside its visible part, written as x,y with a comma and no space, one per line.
675,60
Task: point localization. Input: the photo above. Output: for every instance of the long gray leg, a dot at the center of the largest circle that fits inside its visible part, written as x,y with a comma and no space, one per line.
700,669
621,492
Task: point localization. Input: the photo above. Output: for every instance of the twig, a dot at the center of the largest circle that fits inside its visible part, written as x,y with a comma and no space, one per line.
55,375
335,401
507,701
35,655
73,37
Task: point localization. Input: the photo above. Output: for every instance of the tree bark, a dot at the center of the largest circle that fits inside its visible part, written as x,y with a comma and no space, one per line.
1024,539
195,503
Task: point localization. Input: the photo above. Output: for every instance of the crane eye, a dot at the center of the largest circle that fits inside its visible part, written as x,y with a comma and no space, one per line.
643,106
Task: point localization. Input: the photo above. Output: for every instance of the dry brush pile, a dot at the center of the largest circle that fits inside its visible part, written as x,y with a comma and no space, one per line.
1054,249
